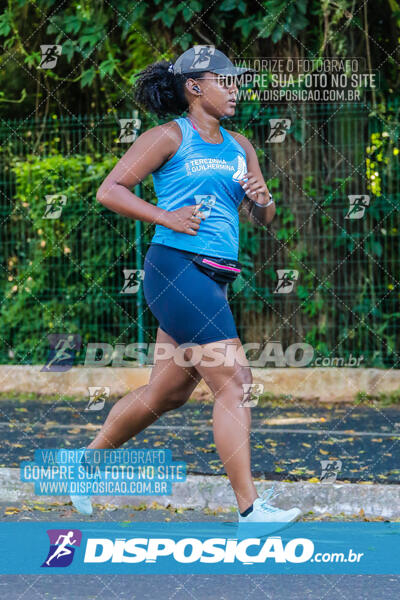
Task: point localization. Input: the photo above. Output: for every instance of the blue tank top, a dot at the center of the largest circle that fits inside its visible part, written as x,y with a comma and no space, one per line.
208,173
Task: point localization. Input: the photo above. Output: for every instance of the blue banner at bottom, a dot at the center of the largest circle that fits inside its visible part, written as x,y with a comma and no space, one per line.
194,547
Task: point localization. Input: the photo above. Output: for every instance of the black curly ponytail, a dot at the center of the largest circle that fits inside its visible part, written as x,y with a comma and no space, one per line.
160,91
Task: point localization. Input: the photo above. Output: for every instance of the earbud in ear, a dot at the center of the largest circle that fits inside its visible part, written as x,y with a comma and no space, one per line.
197,89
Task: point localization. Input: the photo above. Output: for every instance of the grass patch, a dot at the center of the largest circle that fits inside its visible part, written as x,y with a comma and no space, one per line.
45,398
266,399
381,399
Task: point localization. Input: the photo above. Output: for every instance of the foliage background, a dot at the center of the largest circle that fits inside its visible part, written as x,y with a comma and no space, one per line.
66,275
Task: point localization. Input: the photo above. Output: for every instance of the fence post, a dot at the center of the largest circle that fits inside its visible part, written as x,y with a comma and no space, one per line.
139,295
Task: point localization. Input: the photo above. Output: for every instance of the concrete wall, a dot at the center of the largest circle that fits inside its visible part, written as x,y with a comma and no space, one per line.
327,384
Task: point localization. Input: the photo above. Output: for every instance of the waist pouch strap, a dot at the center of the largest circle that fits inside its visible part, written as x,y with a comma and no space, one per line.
223,270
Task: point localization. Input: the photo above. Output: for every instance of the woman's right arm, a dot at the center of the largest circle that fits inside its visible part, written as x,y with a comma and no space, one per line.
151,150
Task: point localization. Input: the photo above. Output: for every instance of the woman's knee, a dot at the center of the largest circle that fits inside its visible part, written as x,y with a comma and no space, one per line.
165,400
237,384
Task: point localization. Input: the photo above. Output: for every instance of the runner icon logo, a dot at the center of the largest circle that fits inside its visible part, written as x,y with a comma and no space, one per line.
286,280
251,393
202,56
133,279
97,397
62,547
279,129
330,470
129,130
50,55
54,206
63,348
357,206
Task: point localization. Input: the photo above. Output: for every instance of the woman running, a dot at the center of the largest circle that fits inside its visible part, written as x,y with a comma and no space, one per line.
202,173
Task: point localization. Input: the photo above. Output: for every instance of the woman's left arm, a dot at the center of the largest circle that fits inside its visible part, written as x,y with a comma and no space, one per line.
255,187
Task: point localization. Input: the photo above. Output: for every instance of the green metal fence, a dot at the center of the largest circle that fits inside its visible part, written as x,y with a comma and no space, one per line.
66,274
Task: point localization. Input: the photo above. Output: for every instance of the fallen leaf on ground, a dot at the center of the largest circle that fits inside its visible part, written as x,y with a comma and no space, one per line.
11,510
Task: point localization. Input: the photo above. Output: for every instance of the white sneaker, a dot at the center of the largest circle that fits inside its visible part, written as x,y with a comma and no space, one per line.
266,513
83,504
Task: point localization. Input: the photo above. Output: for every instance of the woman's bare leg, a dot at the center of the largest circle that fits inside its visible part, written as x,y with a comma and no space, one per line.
170,386
231,421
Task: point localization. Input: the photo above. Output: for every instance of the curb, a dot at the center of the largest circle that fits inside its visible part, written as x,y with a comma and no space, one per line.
213,492
329,384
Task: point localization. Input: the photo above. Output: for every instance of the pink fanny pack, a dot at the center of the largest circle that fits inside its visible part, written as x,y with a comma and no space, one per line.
224,270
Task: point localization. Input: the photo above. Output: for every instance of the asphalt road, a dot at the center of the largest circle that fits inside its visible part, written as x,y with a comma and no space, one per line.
287,442
199,587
